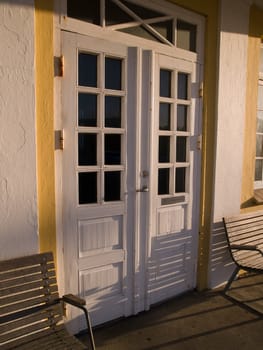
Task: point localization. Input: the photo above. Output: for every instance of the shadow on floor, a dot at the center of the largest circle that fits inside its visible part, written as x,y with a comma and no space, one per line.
208,321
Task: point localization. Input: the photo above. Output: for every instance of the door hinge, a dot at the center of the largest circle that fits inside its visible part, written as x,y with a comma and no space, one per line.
201,90
58,66
199,142
59,139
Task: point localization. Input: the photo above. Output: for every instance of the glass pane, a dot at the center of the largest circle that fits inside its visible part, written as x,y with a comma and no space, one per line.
84,10
180,180
87,105
260,97
261,61
181,118
140,32
164,149
87,188
142,12
112,186
181,149
113,149
259,147
115,15
165,83
87,70
113,74
165,29
258,170
163,181
186,36
112,112
164,116
87,149
260,121
182,86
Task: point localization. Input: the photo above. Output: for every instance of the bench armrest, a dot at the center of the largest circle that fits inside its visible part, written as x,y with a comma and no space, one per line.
246,247
80,303
73,300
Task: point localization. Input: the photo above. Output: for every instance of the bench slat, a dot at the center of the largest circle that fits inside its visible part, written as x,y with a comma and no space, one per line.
24,279
30,308
44,258
25,287
31,318
25,271
28,303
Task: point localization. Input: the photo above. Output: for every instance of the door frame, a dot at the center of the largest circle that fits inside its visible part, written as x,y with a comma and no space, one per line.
87,29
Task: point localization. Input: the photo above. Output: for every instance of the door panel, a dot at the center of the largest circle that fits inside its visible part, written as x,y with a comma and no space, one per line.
94,170
174,207
130,176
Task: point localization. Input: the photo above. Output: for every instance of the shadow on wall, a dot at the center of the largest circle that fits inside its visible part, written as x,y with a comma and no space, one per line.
221,264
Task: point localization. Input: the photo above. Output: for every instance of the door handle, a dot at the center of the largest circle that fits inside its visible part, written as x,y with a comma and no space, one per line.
143,189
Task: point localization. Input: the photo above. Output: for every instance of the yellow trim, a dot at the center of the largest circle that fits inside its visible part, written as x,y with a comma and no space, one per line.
255,35
45,143
45,124
208,8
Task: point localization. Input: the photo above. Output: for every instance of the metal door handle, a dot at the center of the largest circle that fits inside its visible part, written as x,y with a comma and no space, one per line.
143,189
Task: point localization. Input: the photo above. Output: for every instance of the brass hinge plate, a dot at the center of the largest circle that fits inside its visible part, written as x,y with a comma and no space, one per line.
58,66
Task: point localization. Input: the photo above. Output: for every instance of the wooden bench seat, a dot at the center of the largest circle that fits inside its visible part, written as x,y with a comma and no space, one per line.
31,311
245,241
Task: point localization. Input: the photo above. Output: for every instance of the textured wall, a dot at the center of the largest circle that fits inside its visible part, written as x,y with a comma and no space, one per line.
234,28
18,202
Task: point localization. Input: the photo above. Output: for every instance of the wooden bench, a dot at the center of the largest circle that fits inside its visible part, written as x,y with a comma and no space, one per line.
245,241
31,311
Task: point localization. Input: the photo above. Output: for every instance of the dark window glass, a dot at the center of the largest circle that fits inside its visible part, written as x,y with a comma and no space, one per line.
164,116
84,10
186,36
114,14
164,149
87,149
163,181
181,118
182,86
180,180
165,29
87,72
165,83
258,170
142,12
87,113
87,188
260,121
113,76
113,149
141,32
112,111
181,149
259,146
112,185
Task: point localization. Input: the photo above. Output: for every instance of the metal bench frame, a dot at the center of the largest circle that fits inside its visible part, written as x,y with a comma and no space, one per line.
244,235
31,311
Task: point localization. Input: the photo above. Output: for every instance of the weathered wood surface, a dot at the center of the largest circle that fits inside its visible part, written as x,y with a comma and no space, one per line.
245,241
31,315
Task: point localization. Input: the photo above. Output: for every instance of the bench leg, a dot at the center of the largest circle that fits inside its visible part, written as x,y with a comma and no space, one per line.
231,279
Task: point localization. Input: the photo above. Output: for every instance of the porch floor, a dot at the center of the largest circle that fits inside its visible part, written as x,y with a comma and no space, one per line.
207,320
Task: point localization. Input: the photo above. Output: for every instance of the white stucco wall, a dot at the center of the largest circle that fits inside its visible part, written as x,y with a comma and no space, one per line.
232,74
18,204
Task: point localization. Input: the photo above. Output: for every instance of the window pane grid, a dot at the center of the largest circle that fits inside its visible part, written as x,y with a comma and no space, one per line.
100,131
173,132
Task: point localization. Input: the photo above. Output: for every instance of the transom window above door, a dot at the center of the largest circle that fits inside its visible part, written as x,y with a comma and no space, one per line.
135,18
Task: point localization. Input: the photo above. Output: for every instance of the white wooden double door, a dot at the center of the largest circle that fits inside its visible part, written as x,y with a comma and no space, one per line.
130,176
